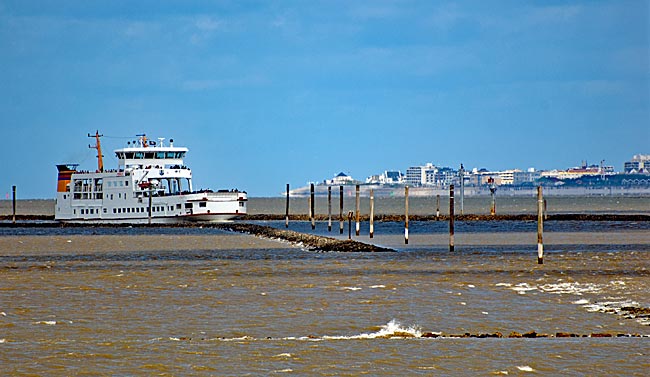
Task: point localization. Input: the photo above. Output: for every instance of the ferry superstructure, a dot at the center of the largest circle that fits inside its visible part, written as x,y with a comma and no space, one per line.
150,185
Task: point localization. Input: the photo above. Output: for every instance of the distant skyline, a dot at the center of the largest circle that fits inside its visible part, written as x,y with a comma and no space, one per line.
266,93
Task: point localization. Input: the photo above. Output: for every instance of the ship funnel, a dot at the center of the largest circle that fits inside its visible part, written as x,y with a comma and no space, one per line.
171,142
65,175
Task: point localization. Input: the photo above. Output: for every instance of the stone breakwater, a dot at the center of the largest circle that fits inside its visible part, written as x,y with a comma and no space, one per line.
316,243
408,334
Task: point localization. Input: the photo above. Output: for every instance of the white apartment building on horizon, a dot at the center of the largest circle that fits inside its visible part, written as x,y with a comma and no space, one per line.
424,175
639,164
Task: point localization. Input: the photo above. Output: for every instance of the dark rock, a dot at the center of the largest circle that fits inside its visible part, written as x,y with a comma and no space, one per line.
565,335
515,334
601,335
530,334
430,335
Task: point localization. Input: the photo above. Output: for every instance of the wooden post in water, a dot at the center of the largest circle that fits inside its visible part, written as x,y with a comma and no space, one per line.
461,173
358,214
286,216
372,213
451,217
406,215
329,208
493,193
438,207
341,209
350,225
540,225
545,211
311,206
13,195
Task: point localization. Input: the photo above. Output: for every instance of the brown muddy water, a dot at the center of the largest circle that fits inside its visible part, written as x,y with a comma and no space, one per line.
157,301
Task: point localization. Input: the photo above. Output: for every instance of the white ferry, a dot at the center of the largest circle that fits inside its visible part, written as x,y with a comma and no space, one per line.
150,185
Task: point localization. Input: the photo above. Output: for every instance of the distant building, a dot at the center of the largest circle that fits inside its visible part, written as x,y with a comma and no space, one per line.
391,177
525,177
640,164
421,175
445,177
388,177
578,172
341,179
505,177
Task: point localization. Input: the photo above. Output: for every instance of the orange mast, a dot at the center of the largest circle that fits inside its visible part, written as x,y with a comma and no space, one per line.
98,146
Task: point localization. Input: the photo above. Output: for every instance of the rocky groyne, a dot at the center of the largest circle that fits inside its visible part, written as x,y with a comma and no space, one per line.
312,242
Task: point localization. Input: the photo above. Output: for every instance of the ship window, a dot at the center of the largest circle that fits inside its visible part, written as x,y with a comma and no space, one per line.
114,210
241,204
74,211
203,204
160,154
188,205
178,206
149,155
104,210
128,155
170,154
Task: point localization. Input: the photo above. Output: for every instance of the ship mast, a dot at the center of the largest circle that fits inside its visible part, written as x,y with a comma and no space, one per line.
98,146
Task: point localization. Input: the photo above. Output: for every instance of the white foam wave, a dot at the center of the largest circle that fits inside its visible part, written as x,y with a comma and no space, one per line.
49,323
351,288
571,288
574,288
392,329
522,288
616,307
525,368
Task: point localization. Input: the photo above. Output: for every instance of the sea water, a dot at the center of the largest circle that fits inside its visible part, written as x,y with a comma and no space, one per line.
111,301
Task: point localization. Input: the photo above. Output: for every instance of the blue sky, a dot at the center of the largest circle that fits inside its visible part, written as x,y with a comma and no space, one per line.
266,93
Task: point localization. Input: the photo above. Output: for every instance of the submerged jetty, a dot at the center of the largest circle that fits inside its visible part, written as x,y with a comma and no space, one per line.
312,242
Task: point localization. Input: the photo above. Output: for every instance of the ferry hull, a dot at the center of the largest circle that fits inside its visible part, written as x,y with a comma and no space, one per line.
209,218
